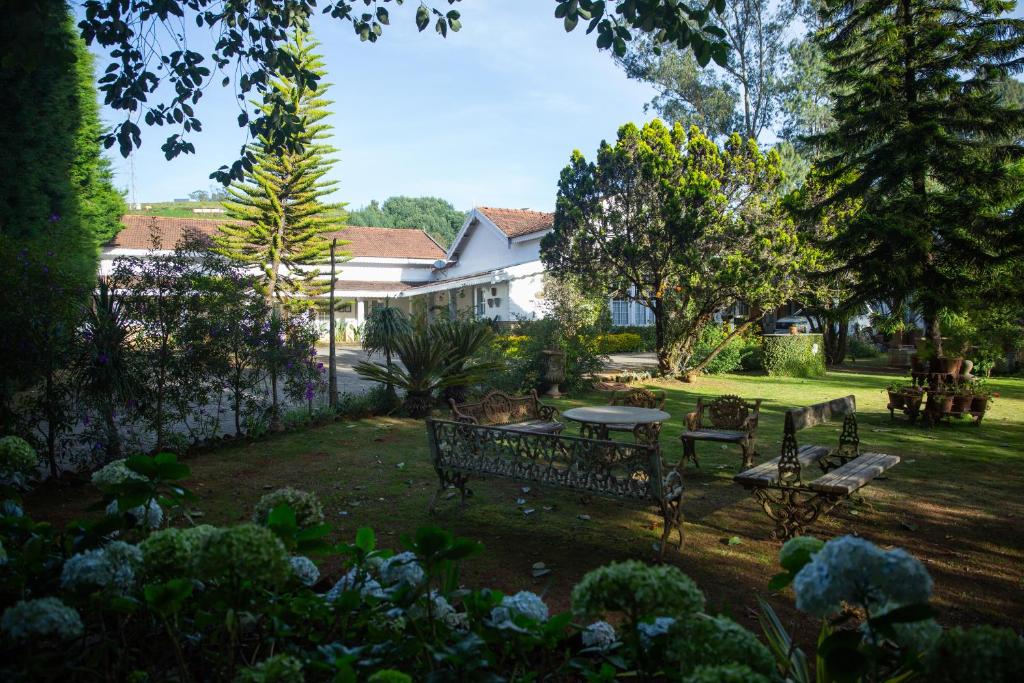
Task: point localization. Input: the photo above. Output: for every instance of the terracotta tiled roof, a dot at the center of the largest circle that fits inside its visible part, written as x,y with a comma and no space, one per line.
389,242
371,242
516,222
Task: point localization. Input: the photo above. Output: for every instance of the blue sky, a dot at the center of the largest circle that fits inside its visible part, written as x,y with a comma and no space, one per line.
487,116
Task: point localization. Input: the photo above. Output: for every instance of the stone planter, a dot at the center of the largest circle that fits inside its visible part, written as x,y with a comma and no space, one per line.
554,371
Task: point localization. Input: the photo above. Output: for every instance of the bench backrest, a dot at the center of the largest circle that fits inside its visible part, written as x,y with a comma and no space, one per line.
810,416
638,398
611,468
726,412
498,408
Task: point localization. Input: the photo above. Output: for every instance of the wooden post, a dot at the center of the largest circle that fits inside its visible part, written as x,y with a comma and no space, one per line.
332,364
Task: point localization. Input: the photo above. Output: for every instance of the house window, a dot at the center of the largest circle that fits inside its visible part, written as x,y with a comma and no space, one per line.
620,312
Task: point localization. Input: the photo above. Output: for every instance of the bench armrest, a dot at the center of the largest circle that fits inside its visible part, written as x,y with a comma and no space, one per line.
693,421
749,424
459,416
545,412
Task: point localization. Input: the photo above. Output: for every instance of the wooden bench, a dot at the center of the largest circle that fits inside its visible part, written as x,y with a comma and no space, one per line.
522,413
790,501
726,419
613,469
636,398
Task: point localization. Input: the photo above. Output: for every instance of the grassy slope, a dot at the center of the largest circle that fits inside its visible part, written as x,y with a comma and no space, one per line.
954,501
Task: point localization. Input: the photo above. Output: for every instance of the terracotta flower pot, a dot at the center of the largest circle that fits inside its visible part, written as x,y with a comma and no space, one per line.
979,404
948,365
962,403
897,400
939,402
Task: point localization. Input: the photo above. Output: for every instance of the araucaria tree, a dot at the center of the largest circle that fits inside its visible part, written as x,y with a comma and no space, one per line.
280,215
931,149
685,227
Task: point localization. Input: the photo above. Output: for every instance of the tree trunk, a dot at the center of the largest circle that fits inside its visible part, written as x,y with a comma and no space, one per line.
51,423
660,342
113,434
332,363
934,331
697,369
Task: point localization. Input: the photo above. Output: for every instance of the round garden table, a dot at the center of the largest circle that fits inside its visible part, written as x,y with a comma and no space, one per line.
597,421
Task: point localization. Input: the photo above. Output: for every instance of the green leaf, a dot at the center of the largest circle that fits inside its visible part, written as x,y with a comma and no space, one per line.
365,539
422,17
904,615
570,22
780,581
167,598
143,464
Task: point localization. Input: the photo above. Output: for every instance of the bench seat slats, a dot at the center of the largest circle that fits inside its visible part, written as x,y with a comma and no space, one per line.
847,478
534,427
767,473
714,435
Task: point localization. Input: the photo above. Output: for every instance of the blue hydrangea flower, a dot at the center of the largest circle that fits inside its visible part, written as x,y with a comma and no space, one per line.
42,618
148,516
305,570
367,586
402,570
851,570
650,630
525,603
112,567
599,634
11,509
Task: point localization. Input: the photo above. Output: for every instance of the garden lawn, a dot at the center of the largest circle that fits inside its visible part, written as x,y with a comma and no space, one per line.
955,501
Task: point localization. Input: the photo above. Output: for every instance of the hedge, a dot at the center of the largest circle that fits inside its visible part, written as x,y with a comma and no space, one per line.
622,342
793,355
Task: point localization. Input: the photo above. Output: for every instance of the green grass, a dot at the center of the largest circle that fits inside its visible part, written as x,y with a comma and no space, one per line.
955,500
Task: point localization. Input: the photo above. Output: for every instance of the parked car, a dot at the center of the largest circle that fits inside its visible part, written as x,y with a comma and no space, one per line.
782,325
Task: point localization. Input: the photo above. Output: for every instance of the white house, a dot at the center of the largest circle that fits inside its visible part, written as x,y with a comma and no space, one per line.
492,269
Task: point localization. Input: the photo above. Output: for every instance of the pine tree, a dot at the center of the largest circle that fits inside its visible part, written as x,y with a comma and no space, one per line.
930,147
281,219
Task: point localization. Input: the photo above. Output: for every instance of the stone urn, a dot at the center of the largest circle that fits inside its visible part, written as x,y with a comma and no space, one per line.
554,371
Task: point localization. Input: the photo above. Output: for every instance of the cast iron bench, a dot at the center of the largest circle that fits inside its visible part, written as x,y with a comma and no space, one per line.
612,469
636,398
498,409
790,501
730,419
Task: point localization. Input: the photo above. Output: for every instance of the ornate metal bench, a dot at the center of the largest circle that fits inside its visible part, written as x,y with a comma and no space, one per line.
613,469
636,398
778,484
522,413
726,419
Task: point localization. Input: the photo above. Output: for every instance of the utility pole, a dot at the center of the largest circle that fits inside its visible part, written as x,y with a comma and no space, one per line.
332,364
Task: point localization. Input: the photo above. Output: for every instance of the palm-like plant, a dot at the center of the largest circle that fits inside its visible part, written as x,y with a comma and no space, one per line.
433,357
464,339
383,328
105,374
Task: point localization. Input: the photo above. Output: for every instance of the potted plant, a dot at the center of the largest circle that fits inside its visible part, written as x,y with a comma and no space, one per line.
940,401
981,397
963,396
897,397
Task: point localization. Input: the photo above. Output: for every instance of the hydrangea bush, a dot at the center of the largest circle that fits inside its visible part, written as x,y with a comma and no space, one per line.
306,506
101,601
16,456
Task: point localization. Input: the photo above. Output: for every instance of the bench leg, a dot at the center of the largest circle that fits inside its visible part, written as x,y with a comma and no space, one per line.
792,510
749,449
672,520
690,452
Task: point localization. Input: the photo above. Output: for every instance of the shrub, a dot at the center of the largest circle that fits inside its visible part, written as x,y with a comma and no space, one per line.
307,507
982,653
623,342
858,349
645,332
728,359
16,456
794,355
243,555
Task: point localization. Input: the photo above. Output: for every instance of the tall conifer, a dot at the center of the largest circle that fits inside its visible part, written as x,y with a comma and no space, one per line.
930,147
283,219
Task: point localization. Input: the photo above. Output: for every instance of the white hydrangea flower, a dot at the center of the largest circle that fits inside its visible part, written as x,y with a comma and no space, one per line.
852,570
528,604
112,567
457,621
42,618
114,473
305,569
367,585
402,570
148,516
599,634
649,631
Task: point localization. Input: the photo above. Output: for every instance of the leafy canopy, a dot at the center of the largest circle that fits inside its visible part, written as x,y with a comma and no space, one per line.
156,79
